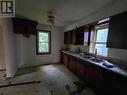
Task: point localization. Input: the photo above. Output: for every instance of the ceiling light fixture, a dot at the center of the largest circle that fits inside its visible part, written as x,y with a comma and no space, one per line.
51,18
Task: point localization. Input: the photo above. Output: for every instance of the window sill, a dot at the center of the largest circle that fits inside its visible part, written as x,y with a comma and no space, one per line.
44,53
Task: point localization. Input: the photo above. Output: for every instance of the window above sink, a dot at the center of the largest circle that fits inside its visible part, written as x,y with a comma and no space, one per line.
99,40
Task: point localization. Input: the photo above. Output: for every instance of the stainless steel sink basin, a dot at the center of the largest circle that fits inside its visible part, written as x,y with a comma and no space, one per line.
96,60
87,56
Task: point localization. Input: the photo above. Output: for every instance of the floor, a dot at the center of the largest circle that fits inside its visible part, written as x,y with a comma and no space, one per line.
54,80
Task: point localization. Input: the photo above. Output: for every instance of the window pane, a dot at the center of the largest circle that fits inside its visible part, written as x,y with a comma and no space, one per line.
43,47
43,37
102,35
101,49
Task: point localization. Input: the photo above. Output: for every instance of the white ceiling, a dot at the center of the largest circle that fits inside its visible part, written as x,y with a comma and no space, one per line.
66,11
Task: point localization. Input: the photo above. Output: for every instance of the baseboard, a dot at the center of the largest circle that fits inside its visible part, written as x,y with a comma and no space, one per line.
38,65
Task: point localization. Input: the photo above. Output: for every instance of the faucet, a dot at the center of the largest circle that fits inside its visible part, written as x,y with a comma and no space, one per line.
95,52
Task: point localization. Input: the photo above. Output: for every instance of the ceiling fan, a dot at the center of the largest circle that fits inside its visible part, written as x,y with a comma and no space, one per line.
51,17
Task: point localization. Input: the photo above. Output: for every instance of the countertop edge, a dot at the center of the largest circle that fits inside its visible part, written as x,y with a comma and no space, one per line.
121,72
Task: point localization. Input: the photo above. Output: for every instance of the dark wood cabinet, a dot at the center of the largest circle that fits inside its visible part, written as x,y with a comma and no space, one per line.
78,36
72,64
61,57
65,59
117,36
24,26
77,67
81,69
102,81
67,37
73,37
94,78
125,38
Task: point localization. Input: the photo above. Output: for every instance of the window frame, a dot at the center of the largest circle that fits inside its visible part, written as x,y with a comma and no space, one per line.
98,27
37,42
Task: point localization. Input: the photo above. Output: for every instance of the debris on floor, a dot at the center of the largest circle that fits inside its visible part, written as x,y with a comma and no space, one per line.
54,80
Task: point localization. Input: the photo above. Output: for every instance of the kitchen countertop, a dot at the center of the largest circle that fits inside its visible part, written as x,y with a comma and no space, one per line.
115,69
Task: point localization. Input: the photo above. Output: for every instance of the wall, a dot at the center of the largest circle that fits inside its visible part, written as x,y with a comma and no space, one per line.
26,48
119,54
2,53
9,47
78,47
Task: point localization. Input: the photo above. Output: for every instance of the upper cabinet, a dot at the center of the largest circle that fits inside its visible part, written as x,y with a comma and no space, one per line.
78,36
67,37
24,26
117,36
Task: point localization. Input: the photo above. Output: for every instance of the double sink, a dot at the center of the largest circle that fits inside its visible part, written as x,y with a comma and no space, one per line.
97,60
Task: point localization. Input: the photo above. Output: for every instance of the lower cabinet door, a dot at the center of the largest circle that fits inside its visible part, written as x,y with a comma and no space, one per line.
81,69
72,64
65,59
94,78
